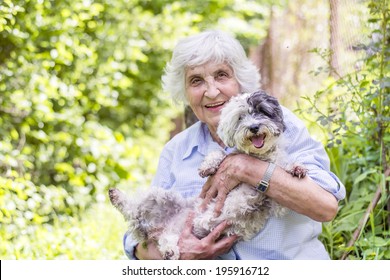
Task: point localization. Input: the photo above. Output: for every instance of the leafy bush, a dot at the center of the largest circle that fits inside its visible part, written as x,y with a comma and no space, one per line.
94,236
72,107
355,112
81,110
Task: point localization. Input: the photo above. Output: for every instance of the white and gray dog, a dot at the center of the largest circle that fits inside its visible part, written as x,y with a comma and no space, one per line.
252,124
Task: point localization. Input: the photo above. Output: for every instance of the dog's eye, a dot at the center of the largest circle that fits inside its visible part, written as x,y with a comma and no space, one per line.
264,110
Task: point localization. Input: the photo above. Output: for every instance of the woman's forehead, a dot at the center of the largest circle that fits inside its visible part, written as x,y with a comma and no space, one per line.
207,67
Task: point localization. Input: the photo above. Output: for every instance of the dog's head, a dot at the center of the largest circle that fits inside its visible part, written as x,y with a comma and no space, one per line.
251,122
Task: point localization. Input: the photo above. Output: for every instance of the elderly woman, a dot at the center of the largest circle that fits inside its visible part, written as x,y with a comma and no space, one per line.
206,70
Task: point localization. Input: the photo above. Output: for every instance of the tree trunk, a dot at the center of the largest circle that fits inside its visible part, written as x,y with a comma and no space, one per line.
334,38
265,61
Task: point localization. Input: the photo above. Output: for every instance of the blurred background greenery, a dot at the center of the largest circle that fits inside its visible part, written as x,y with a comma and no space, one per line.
82,110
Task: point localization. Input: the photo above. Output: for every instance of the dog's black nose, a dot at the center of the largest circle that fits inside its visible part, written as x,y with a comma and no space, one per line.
254,128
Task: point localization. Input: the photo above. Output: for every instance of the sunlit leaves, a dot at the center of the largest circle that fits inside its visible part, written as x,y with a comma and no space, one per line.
81,107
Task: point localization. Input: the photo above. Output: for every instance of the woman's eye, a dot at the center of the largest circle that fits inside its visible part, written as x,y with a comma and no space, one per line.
222,74
195,81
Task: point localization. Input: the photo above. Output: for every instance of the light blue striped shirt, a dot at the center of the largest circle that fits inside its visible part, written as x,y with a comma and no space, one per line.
294,236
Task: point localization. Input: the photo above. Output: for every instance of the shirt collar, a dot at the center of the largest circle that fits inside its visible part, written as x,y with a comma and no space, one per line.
200,140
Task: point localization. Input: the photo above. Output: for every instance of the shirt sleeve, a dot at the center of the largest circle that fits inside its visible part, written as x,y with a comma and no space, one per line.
303,149
163,177
129,245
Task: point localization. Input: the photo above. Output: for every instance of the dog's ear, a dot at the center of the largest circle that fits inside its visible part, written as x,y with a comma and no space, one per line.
230,117
283,124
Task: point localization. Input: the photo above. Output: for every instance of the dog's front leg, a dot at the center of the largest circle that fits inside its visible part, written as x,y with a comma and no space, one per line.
211,163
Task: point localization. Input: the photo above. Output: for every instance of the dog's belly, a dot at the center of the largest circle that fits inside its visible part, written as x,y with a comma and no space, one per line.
241,201
245,208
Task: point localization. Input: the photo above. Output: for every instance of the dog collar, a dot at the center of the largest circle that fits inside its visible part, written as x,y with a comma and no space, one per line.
263,185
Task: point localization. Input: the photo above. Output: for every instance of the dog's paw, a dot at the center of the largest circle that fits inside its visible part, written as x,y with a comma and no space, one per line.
169,255
172,254
207,172
211,163
120,201
114,194
298,171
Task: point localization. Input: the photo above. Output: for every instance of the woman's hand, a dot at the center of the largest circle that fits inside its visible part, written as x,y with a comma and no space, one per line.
229,175
209,247
147,251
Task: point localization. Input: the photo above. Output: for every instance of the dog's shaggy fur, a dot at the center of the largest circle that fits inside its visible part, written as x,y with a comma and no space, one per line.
252,124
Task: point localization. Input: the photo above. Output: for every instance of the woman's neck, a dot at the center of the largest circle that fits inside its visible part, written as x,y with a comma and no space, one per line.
216,138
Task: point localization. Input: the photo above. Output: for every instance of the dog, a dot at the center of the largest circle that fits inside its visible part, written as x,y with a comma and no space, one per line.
251,123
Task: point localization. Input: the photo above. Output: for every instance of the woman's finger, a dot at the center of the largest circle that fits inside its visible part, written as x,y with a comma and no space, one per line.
221,245
188,225
215,234
225,244
208,193
205,188
219,203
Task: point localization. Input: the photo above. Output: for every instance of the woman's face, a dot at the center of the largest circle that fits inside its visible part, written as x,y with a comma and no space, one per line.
208,88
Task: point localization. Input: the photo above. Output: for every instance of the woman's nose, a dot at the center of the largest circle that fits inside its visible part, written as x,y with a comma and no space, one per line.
212,89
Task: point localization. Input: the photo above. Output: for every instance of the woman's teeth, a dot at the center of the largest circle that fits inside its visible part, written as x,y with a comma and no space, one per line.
215,105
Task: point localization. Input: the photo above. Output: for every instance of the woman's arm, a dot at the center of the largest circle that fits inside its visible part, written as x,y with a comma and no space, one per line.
303,196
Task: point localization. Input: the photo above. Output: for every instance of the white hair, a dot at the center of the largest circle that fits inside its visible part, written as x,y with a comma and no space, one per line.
208,46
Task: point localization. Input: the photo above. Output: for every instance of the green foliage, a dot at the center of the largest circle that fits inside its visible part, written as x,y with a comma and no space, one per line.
81,110
354,110
95,236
